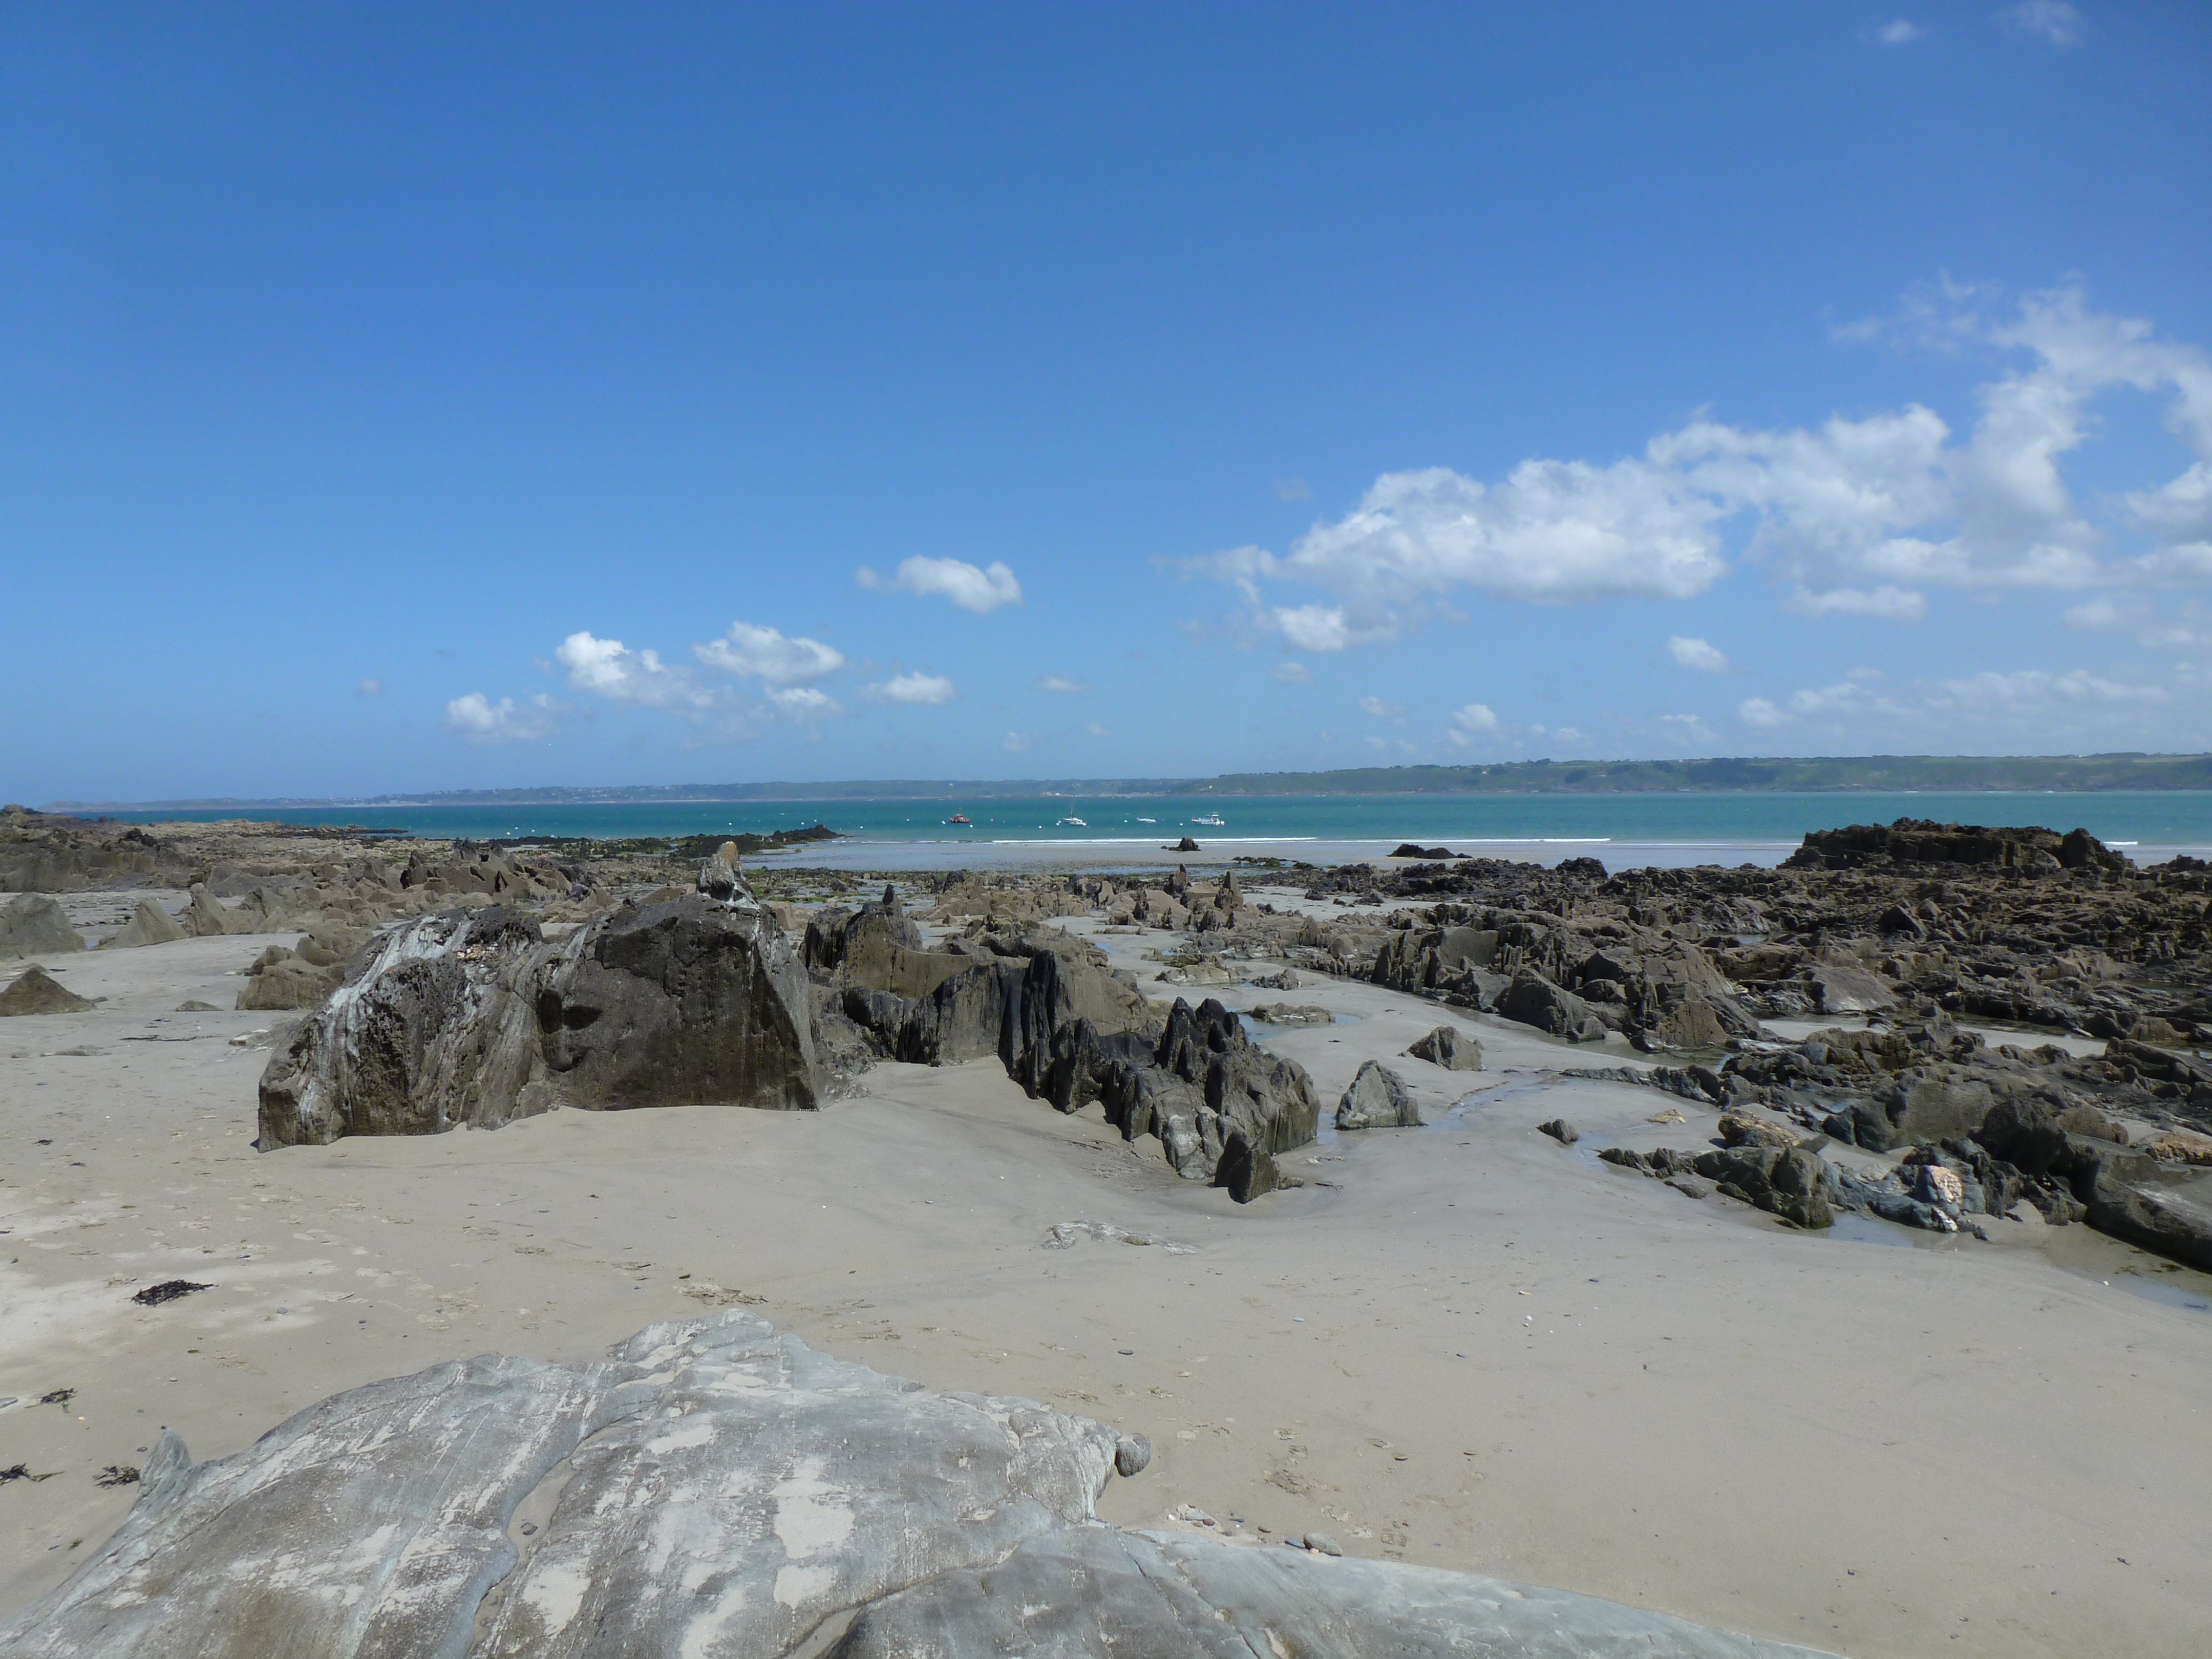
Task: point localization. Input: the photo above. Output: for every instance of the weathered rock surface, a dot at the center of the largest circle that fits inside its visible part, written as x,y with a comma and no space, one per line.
34,926
35,991
1377,1099
1535,1000
473,1017
716,1490
149,924
1450,1047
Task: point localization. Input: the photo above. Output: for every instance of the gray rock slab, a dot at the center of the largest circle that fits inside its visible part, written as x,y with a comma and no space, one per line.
718,1491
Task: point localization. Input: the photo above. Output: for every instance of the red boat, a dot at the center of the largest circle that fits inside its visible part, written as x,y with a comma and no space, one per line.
959,818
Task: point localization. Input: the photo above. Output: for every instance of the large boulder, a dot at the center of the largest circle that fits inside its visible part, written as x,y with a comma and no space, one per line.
1377,1099
149,924
1787,1181
35,925
1841,988
1450,1047
715,1489
206,916
37,992
1532,999
474,1018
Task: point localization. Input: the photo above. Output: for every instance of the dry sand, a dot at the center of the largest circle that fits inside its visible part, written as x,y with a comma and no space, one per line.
1464,1346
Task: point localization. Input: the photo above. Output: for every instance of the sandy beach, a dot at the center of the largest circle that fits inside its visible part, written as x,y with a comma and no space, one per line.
1462,1346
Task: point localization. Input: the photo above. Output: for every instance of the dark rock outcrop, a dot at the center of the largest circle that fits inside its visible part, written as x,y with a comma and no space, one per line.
1922,841
1791,1182
474,1018
37,992
718,1490
1532,999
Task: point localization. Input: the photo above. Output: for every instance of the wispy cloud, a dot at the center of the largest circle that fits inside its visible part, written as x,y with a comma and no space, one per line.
1290,673
979,589
1014,742
1392,712
369,689
475,718
1060,683
932,689
1898,31
1696,653
1291,490
2053,21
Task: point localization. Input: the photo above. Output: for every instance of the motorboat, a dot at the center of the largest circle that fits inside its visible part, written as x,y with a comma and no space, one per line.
1077,822
961,817
1212,820
1148,820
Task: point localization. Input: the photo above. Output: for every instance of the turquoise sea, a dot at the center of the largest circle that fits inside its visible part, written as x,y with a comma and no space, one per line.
1620,829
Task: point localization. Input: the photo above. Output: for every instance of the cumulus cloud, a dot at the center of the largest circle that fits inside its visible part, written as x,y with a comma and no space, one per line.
1290,673
2053,21
980,590
610,668
476,718
1392,712
1854,517
932,690
1060,683
1470,721
764,654
1696,653
2046,708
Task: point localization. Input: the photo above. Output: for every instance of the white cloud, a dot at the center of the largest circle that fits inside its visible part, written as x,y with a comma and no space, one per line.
1891,604
1685,728
1015,742
982,590
1060,683
1290,673
1470,720
802,702
932,689
1392,712
2036,710
1696,653
2050,20
369,689
476,718
611,670
1096,730
1558,734
764,654
1898,32
1758,711
1856,517
2165,626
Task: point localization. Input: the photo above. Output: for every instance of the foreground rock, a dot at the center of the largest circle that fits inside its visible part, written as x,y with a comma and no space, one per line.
718,1492
149,924
34,926
1377,1099
38,991
475,1018
1450,1047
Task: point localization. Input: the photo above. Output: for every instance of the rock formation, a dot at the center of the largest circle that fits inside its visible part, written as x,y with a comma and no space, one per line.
34,926
149,924
717,1490
474,1018
37,992
1377,1099
1450,1047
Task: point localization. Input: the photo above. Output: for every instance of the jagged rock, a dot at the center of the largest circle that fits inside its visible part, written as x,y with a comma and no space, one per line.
1920,840
149,924
35,925
1740,1129
1787,1181
1291,1013
720,880
718,1492
1450,1047
474,1018
206,918
1839,988
1377,1099
1561,1131
37,992
1532,999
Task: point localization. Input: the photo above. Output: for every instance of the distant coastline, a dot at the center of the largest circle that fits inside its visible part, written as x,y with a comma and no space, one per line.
1967,773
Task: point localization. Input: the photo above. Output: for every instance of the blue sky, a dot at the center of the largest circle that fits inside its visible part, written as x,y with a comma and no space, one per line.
411,397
